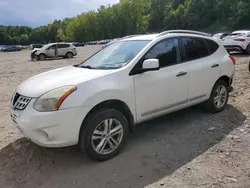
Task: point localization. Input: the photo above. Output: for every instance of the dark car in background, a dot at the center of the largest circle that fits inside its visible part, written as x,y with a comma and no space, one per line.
11,49
76,44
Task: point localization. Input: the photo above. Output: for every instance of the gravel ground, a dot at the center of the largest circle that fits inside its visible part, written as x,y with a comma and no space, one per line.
190,148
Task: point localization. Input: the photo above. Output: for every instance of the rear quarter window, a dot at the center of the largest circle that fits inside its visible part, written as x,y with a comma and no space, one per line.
63,46
212,46
194,48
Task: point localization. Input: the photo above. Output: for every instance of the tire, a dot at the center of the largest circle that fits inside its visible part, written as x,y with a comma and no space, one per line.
249,66
97,123
42,57
69,55
213,106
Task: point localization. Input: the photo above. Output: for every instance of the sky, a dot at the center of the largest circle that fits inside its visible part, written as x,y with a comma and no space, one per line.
35,13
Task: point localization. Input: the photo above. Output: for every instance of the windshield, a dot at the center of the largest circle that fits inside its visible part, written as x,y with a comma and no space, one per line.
115,55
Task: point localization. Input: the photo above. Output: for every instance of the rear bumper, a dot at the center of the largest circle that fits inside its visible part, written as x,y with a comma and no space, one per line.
230,89
235,48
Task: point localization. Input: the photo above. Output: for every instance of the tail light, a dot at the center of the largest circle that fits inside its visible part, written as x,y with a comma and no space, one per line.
240,40
233,59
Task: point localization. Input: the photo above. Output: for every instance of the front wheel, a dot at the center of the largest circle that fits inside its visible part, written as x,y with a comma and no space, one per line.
218,98
104,134
41,57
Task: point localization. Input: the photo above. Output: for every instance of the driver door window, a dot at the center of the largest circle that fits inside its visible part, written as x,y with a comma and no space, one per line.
167,52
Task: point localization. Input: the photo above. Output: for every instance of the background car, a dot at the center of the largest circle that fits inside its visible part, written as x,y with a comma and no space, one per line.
220,35
53,50
78,44
238,41
11,49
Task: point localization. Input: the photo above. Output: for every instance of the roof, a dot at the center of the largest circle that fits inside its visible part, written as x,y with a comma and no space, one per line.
142,37
242,31
169,33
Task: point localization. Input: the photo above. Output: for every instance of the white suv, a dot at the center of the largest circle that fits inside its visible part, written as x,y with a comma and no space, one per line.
96,103
238,41
53,50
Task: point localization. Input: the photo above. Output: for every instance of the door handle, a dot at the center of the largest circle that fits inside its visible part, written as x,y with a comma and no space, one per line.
181,74
215,65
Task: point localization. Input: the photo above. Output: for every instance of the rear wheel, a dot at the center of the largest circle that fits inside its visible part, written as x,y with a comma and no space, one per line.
69,55
104,134
218,98
41,57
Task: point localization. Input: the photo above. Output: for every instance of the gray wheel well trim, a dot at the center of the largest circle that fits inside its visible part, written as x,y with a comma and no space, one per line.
112,104
42,54
226,79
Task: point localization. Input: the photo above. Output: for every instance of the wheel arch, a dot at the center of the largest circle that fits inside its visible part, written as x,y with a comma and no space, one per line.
42,54
69,52
112,104
226,79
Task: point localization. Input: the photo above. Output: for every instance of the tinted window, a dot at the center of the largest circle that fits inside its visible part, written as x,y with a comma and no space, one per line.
213,46
167,52
63,45
195,48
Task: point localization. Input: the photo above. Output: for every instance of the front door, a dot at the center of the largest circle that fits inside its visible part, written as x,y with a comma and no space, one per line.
51,51
161,91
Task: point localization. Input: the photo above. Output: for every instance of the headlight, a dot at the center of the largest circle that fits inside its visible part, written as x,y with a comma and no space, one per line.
52,100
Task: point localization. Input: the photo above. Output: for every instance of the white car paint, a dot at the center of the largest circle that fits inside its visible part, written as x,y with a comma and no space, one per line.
233,39
50,52
147,95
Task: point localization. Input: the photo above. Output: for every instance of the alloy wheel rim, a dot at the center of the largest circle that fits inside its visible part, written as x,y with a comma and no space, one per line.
220,96
107,136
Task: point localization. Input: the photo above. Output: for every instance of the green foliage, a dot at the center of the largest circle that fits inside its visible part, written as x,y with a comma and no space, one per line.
136,16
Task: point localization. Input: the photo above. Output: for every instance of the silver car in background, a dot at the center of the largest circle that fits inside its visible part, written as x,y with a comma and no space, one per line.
54,50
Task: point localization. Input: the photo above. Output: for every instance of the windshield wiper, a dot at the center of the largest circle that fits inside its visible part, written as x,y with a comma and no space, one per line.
87,66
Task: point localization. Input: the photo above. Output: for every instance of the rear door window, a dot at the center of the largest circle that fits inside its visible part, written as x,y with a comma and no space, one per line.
213,46
63,45
194,48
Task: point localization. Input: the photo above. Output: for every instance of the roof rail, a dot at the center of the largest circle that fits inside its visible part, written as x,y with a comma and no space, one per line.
183,31
128,36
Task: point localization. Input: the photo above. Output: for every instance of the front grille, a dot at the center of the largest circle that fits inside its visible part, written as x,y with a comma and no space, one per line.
20,102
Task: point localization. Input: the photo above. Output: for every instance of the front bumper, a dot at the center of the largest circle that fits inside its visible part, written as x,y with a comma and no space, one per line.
50,129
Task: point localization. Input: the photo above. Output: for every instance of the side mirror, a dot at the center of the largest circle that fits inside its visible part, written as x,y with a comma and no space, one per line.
150,65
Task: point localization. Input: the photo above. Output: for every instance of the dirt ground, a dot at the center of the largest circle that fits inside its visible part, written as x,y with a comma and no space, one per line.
186,149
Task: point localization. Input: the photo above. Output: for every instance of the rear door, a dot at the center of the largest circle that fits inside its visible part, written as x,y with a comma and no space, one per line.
203,67
62,49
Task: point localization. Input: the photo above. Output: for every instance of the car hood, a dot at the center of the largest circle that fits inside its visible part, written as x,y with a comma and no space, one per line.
35,49
42,83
